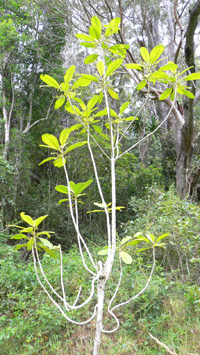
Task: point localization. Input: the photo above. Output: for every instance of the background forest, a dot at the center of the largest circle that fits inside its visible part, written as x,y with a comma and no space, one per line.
158,182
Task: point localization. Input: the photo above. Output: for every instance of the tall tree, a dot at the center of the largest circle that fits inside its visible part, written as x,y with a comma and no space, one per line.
149,23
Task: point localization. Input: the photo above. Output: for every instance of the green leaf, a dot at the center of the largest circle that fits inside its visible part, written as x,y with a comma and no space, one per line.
49,251
91,58
89,77
44,233
64,136
162,237
135,242
19,236
165,94
76,145
63,200
170,66
112,27
113,66
100,97
27,230
88,45
45,160
73,109
194,76
19,246
30,243
124,107
113,94
69,74
59,102
81,82
145,54
101,113
62,188
133,66
95,31
100,68
46,242
141,85
27,219
84,37
75,127
156,53
49,81
187,93
126,257
92,102
96,22
51,141
78,188
125,239
39,220
103,252
150,237
58,163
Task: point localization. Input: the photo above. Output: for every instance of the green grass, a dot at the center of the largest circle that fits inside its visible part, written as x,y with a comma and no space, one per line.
30,324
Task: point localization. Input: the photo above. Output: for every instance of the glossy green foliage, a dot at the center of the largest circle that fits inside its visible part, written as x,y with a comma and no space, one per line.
32,236
75,190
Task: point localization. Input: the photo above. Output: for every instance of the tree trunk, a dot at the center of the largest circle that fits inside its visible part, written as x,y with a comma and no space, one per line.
99,322
184,156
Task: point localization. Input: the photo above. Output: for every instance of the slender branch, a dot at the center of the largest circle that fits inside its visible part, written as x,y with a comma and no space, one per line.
162,344
149,134
76,227
28,127
101,194
144,288
54,302
112,299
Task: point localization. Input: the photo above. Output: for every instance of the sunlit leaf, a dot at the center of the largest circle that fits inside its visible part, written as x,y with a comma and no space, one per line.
95,31
162,237
46,242
49,81
125,240
124,107
84,37
91,58
113,66
45,160
39,220
30,243
62,188
194,76
19,236
145,54
133,66
165,94
88,45
127,258
100,68
156,53
51,141
69,74
27,219
95,21
76,145
103,252
141,85
113,94
64,136
187,93
59,102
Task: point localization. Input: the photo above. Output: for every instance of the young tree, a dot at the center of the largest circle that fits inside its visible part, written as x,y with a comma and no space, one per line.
109,61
